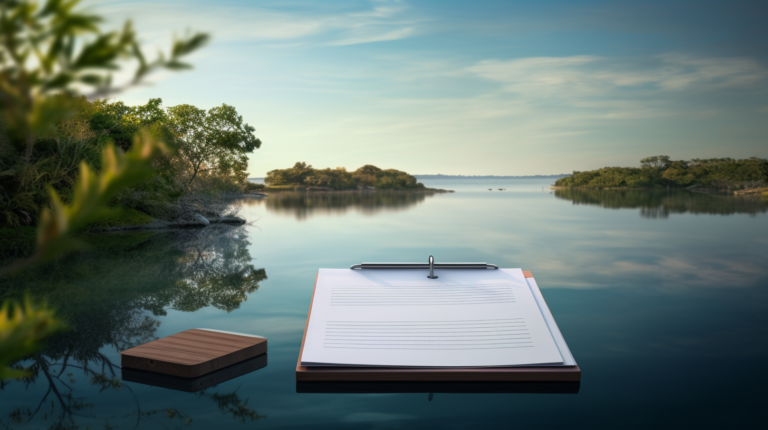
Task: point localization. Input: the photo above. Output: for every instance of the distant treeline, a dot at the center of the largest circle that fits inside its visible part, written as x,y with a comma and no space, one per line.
660,171
302,175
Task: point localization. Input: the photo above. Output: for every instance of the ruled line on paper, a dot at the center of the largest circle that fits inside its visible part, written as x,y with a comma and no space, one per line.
428,335
443,295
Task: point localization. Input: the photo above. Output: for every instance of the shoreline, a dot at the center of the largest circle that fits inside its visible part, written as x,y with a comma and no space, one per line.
269,190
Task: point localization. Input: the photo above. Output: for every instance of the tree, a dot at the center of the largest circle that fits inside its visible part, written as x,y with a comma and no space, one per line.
367,175
214,142
656,162
116,122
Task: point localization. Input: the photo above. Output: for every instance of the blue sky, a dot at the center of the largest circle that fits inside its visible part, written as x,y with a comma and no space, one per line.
472,88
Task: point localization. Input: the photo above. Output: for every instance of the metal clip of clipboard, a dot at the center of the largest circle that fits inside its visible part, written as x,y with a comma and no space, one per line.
431,265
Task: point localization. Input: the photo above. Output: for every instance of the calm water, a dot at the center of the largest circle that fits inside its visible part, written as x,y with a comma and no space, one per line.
661,296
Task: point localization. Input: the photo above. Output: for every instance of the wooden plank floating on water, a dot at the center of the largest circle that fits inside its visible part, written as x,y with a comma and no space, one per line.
193,353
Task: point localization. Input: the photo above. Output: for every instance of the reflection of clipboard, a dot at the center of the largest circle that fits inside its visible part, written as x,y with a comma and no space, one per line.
437,387
569,373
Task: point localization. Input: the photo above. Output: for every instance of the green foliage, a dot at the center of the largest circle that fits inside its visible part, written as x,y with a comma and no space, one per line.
303,175
56,49
118,123
660,171
292,176
153,196
392,179
252,186
92,194
655,162
118,217
21,330
212,145
47,54
17,242
16,208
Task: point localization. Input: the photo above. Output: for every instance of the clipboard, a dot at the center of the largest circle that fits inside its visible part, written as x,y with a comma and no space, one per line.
390,374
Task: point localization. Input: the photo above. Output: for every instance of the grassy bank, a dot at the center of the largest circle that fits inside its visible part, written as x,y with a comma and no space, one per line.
119,217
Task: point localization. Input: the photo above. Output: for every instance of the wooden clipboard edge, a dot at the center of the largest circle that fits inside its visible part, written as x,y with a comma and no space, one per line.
372,374
299,368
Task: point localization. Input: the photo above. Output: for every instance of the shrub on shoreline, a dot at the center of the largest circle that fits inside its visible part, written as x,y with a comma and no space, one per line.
17,242
302,175
660,171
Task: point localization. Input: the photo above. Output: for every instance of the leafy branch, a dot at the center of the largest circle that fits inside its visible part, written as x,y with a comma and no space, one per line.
56,50
22,327
48,55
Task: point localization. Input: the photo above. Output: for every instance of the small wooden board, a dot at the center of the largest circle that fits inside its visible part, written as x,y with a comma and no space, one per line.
193,353
391,374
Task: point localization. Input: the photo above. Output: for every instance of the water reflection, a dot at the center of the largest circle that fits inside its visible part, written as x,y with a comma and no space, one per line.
305,204
437,387
199,383
111,296
662,203
669,300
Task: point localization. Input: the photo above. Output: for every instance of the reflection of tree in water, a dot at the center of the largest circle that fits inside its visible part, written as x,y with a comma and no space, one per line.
110,295
228,404
662,203
306,204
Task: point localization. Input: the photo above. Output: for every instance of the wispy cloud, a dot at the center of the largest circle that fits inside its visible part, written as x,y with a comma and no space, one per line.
598,76
666,273
375,35
379,21
607,88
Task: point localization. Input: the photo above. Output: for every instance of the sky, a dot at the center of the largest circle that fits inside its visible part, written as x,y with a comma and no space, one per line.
471,88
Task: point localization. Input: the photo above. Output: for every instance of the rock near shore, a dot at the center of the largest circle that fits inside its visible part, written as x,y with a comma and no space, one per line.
226,220
191,220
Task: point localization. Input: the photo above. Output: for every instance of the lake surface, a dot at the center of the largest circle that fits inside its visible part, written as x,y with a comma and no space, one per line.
662,297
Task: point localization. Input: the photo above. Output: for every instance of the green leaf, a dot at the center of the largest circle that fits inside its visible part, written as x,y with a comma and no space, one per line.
184,47
177,65
92,79
21,330
59,81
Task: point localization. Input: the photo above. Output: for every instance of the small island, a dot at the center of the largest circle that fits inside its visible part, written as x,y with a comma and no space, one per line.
304,177
747,176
